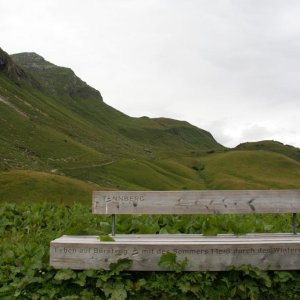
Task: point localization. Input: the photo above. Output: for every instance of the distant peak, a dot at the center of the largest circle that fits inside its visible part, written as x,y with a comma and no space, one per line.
31,60
31,55
55,80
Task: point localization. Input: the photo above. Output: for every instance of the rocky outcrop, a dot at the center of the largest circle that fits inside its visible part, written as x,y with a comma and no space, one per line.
55,80
15,72
8,67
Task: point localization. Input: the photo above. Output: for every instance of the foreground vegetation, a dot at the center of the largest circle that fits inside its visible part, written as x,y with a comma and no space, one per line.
27,229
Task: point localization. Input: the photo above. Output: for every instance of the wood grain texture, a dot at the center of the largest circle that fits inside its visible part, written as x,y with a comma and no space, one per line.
197,202
264,251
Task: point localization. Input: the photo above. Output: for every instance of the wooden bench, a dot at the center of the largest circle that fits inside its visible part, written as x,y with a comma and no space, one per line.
277,251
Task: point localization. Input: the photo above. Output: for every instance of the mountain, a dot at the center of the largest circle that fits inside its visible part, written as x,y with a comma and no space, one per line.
65,110
56,131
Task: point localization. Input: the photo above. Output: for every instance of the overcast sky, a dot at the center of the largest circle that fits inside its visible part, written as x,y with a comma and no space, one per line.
231,67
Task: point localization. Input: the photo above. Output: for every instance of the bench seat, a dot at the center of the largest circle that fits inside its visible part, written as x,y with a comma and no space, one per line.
276,251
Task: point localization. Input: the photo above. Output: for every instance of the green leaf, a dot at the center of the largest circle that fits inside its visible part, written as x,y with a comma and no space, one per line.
65,274
233,292
185,286
81,279
163,231
106,238
241,287
169,261
268,227
6,291
283,276
116,291
121,265
105,227
140,283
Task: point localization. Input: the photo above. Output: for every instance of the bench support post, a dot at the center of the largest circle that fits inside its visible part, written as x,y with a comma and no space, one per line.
294,223
113,224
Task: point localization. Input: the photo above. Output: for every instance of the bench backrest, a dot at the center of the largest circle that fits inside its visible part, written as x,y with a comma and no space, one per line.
197,202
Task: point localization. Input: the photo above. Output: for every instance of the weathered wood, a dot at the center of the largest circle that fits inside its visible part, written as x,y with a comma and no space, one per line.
197,202
279,251
264,251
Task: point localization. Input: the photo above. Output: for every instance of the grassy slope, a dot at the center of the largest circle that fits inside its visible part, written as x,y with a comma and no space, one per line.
86,131
272,146
251,170
41,134
229,170
19,186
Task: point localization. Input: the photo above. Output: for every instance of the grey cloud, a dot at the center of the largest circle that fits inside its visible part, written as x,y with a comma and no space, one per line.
228,66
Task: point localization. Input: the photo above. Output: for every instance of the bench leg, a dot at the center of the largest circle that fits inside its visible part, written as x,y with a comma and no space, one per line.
294,223
113,224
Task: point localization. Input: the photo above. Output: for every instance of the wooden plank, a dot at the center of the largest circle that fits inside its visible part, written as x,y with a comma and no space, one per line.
277,252
165,238
196,202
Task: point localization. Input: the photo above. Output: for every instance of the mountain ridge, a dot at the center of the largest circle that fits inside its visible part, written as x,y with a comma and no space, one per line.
84,121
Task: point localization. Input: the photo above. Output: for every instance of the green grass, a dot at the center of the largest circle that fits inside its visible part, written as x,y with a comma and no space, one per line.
150,175
251,170
272,146
230,170
29,186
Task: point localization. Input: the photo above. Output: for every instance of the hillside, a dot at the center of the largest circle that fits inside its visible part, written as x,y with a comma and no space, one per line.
75,116
228,170
63,84
54,124
273,146
22,185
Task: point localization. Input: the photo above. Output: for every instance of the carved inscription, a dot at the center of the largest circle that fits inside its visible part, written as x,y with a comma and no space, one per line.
196,202
279,255
118,201
124,198
147,252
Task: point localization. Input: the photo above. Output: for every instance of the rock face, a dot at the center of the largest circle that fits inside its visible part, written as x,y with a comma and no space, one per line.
2,63
32,61
8,67
15,72
56,81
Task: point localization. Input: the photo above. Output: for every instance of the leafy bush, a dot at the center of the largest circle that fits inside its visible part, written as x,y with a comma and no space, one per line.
27,230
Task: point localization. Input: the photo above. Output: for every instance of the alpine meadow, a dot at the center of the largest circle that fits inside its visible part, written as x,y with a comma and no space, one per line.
59,142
